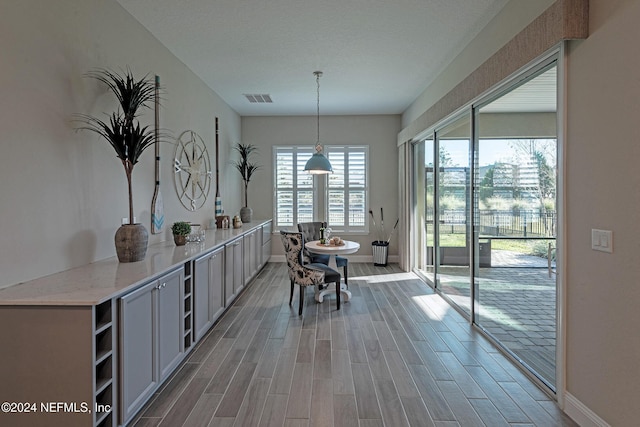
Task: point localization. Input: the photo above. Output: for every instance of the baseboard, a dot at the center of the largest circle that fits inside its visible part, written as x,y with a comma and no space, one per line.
581,414
393,259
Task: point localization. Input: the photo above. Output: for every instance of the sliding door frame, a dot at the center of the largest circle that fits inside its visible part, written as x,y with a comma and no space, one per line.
555,55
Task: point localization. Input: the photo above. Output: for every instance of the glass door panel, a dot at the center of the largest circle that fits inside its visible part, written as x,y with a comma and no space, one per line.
452,223
424,204
515,224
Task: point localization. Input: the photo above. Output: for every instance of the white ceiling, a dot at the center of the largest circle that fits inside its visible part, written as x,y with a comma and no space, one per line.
377,55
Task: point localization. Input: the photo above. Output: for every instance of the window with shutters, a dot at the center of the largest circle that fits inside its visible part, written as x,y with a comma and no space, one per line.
341,196
347,188
294,198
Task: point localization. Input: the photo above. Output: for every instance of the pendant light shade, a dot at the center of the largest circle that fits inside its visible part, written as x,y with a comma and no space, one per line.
318,163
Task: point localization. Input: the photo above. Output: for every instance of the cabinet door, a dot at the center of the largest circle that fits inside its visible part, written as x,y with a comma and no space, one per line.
258,251
238,260
266,243
202,296
170,322
216,284
259,245
233,269
251,255
139,374
247,243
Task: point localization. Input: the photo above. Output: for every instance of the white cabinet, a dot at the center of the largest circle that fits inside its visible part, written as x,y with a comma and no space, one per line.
252,253
234,277
151,339
113,349
170,315
266,244
209,290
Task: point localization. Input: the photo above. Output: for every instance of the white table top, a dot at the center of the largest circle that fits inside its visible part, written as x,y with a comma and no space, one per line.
349,247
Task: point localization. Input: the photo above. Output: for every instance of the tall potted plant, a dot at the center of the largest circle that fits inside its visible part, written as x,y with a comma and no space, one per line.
129,140
246,169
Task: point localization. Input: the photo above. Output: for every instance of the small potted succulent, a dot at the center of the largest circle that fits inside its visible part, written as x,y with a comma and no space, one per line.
180,232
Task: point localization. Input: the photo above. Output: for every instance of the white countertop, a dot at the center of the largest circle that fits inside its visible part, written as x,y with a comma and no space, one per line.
102,280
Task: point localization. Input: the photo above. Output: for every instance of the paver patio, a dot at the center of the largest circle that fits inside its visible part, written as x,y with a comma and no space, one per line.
517,306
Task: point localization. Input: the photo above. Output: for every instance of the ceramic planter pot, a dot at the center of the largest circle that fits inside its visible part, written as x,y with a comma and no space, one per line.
179,240
245,214
131,242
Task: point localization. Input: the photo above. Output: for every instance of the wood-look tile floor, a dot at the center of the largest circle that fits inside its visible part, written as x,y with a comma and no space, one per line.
395,355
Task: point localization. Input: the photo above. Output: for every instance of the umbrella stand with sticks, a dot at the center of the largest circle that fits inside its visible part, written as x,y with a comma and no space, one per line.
374,225
380,247
394,229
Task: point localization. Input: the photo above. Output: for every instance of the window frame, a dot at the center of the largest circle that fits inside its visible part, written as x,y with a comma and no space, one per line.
306,151
320,187
348,189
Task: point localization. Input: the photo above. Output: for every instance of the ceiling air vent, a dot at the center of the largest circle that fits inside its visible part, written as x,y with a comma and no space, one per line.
258,98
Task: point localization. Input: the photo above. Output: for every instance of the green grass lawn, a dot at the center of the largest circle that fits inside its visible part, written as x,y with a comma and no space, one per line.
529,247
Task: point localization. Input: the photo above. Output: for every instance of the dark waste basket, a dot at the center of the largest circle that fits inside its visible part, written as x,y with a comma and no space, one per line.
380,252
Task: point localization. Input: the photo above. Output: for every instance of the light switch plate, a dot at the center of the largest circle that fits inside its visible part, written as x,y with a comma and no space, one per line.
602,240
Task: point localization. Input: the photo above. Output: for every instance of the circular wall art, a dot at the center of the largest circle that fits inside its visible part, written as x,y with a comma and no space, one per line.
192,169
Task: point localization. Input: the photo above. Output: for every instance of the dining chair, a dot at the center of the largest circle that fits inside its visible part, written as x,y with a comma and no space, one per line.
311,231
312,274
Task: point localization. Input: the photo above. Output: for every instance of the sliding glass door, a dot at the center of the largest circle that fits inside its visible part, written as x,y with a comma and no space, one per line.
453,224
441,218
486,220
424,212
515,189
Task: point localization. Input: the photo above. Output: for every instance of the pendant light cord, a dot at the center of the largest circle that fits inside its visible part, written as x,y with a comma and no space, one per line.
318,163
318,74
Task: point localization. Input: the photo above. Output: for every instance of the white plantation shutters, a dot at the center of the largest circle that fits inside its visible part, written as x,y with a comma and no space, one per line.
342,194
294,191
347,187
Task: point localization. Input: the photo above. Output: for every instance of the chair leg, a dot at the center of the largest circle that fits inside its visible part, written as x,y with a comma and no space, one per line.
302,288
338,293
346,276
291,295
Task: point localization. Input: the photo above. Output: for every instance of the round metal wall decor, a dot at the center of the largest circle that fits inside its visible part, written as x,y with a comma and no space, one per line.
192,170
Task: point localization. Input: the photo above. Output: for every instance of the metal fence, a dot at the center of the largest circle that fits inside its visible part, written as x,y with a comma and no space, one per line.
516,223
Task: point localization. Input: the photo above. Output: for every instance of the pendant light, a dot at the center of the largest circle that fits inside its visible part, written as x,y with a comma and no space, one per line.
318,163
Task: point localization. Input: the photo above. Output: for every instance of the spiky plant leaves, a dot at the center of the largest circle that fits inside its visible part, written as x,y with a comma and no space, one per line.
123,131
244,166
132,94
250,169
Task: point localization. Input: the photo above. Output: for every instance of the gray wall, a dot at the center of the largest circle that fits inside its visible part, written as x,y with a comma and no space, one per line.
63,193
379,132
603,191
601,182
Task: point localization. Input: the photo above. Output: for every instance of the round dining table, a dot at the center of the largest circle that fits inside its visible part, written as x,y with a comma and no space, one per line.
348,247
